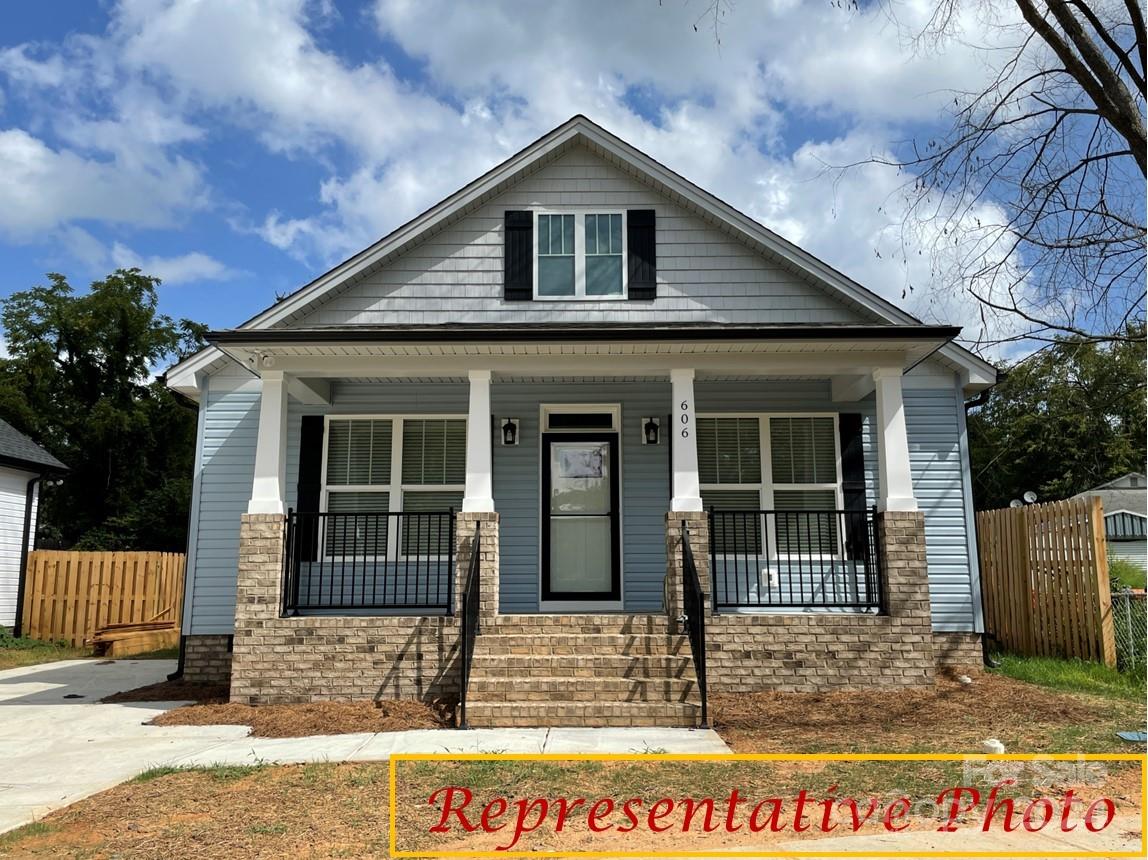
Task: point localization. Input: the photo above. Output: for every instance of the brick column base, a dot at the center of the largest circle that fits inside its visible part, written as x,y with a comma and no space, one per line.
697,523
207,659
464,528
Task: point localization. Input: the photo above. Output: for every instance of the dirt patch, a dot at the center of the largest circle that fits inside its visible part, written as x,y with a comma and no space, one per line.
314,718
949,717
173,691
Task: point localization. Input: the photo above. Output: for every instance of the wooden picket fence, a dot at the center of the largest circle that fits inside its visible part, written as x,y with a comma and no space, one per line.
68,596
1044,580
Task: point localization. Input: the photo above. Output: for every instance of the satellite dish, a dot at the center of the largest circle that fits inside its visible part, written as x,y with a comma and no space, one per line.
1029,497
1016,503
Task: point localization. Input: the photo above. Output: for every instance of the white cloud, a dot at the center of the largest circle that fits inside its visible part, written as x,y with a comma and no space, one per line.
44,188
498,75
181,269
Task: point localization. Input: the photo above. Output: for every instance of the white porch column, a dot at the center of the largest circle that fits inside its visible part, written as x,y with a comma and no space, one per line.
686,491
479,494
267,495
896,480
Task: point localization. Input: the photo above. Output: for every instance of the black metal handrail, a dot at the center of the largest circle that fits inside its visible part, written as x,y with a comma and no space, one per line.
694,616
401,561
818,559
470,615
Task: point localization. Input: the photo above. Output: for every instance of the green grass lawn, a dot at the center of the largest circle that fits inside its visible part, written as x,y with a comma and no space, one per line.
22,651
1074,676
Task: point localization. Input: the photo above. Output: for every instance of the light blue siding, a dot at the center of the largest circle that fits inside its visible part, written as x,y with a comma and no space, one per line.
230,425
939,475
645,489
704,274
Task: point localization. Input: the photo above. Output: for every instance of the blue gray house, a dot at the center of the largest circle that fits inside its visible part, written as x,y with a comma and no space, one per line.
578,444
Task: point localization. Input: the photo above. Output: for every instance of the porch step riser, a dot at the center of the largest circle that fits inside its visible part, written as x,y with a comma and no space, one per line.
580,690
588,645
573,666
500,715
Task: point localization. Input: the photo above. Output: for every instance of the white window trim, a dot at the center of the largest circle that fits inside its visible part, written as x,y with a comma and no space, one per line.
394,489
545,410
767,487
580,213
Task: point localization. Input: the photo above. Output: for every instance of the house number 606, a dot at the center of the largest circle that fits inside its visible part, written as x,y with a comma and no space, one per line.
685,419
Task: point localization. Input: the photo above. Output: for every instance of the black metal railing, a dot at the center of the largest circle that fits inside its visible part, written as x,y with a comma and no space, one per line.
369,561
795,560
694,616
470,615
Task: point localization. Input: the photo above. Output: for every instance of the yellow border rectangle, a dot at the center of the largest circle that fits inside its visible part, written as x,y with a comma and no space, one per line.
1141,758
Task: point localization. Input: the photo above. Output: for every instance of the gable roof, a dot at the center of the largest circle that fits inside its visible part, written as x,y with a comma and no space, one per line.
579,130
19,451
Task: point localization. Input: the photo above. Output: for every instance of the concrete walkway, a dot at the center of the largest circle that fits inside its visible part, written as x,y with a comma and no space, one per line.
58,744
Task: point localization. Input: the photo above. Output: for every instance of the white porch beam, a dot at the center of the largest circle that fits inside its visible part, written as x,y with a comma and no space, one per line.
579,364
849,389
895,477
479,492
267,495
312,392
686,491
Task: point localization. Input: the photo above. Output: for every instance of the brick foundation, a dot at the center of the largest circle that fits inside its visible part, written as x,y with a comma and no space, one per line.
959,651
315,658
821,651
207,659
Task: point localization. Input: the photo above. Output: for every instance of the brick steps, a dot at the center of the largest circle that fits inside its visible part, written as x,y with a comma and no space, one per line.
481,713
636,666
590,689
583,644
581,670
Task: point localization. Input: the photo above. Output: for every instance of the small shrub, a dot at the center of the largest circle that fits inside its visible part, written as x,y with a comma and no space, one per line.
1125,574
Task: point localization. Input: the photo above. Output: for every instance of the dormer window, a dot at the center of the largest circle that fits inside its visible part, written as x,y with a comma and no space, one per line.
569,254
579,255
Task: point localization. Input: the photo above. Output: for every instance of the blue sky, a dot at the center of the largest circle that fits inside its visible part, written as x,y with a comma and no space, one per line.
239,149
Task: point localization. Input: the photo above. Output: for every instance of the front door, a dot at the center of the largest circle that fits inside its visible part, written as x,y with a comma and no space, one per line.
580,517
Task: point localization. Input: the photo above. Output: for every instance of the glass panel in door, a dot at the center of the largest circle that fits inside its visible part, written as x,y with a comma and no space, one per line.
581,557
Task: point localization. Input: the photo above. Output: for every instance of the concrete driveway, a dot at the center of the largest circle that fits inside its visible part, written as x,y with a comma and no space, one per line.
59,745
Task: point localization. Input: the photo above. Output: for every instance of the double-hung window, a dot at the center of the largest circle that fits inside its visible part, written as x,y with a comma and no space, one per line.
580,255
380,466
781,463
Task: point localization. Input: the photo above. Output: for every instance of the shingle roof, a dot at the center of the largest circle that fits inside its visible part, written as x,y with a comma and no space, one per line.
18,450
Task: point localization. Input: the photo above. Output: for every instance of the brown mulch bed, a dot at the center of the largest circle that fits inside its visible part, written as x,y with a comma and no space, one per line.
173,691
314,718
949,715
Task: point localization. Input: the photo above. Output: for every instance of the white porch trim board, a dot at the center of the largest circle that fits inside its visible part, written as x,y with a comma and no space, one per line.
267,488
895,478
478,496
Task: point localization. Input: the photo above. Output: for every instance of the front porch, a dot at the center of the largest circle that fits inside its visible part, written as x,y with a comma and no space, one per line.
503,522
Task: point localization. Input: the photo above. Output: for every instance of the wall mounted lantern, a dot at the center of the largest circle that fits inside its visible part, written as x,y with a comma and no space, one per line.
509,430
650,431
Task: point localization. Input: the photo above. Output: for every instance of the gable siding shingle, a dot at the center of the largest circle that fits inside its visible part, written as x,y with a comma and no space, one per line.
456,275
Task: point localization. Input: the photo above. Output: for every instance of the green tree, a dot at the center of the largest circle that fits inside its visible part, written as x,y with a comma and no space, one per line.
1062,421
79,380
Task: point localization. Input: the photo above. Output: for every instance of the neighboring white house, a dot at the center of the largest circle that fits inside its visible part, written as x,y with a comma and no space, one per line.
22,464
1125,501
583,357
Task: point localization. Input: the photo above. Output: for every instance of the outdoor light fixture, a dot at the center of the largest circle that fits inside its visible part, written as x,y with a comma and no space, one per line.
509,431
650,428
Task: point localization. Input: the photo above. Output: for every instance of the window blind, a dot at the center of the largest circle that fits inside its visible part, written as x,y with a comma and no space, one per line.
434,451
729,451
359,452
803,451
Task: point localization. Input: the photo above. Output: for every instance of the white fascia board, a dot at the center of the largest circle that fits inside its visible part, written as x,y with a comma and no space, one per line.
188,376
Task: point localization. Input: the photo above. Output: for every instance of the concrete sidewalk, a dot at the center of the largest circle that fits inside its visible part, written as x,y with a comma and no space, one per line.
58,744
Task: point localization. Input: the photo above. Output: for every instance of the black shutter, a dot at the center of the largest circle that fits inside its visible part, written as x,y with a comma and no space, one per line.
518,256
310,488
642,271
853,485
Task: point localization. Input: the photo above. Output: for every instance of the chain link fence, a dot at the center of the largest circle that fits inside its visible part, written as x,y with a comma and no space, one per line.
1130,623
